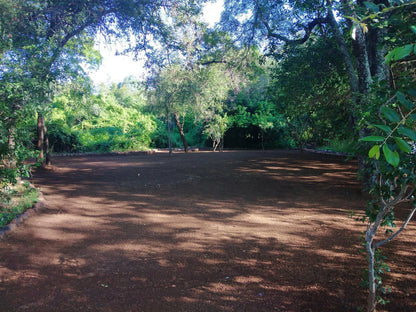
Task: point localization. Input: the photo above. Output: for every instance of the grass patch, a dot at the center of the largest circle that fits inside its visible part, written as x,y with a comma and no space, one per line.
15,200
339,146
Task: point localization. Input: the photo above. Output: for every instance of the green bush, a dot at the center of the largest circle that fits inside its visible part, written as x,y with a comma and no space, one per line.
340,145
16,199
62,139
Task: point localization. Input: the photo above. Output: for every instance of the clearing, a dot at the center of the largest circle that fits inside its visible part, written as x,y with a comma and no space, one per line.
231,231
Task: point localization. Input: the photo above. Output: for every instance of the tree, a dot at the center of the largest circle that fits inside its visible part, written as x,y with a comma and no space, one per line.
370,24
283,25
38,35
216,129
393,159
174,93
109,119
318,108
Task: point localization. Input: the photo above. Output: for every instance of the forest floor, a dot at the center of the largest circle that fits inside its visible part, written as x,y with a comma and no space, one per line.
231,231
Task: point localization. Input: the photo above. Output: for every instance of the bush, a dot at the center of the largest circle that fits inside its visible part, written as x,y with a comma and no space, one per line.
62,139
16,199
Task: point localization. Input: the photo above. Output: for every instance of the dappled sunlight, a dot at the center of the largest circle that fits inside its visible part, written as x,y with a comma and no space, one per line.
186,239
142,250
58,235
8,275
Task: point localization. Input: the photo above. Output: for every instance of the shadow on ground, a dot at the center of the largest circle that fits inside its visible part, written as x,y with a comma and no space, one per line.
232,231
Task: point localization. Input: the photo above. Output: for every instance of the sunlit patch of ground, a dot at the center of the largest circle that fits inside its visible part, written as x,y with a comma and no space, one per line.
233,231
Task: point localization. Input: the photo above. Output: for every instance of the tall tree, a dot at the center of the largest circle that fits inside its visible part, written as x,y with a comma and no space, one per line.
318,108
283,24
361,30
38,32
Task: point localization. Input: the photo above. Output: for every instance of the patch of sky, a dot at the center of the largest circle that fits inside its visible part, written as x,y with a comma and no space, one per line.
115,66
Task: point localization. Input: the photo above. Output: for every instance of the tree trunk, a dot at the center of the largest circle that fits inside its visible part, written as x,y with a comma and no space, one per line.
262,139
11,162
363,65
344,50
48,160
169,130
169,135
41,135
371,300
43,142
182,134
222,144
215,144
360,79
11,139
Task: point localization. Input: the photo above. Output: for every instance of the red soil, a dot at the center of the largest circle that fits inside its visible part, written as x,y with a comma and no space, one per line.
232,231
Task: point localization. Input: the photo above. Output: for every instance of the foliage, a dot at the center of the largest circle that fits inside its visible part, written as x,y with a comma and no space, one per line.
14,200
112,120
340,145
317,109
392,161
373,27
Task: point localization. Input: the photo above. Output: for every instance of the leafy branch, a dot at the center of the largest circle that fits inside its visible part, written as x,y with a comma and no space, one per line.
393,157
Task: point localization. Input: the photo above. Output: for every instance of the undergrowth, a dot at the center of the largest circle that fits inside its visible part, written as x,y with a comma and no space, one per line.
15,200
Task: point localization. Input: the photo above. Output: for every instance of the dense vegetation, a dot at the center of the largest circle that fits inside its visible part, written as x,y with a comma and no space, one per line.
337,75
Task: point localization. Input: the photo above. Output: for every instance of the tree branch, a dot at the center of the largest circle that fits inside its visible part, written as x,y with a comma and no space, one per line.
308,30
409,217
213,62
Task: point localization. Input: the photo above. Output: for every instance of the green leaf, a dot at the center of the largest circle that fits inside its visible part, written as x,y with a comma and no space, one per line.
399,53
402,52
372,6
413,28
401,97
372,138
390,114
374,152
411,134
392,157
402,145
353,19
384,128
412,92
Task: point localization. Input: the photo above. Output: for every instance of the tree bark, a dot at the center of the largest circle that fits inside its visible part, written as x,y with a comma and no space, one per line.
169,130
43,141
41,135
371,300
11,162
48,160
182,134
344,50
360,78
11,139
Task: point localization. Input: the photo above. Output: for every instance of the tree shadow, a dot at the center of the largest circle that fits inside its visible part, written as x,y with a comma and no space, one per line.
236,231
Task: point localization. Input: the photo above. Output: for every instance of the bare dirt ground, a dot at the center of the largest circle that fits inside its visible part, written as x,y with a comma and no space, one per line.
232,231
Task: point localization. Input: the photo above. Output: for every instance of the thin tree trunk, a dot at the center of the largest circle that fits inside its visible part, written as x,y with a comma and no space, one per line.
215,144
43,141
169,130
344,50
11,139
371,300
48,160
169,136
41,135
11,162
182,134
